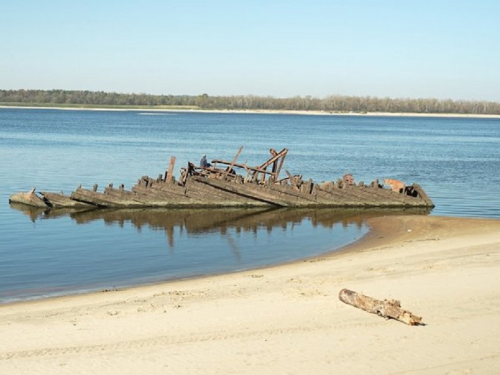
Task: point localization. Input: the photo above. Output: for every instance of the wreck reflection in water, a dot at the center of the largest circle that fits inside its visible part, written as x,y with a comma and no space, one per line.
203,220
73,251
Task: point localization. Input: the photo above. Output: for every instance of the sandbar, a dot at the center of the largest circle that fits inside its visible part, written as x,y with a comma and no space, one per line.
149,110
286,319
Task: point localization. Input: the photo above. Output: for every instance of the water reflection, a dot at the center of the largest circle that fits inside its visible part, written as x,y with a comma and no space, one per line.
117,248
203,220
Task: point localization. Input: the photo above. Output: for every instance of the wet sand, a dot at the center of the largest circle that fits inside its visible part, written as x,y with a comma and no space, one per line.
286,319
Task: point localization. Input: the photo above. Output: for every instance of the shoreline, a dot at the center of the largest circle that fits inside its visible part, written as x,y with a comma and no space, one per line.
83,292
286,318
270,112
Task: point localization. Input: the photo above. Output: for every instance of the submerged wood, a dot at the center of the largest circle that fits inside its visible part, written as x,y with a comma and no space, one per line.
220,185
389,309
30,199
59,200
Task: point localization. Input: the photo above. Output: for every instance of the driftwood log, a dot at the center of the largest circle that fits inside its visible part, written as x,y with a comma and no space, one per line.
387,309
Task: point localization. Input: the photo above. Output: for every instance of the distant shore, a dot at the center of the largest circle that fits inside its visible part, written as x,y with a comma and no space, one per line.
286,319
263,111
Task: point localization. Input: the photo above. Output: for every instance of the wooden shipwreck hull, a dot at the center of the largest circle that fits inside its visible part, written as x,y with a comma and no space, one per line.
219,185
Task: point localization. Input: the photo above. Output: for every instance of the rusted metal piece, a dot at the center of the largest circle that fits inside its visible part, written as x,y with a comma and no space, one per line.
396,185
389,309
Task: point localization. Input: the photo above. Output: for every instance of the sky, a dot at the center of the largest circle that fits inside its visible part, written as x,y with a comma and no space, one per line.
398,49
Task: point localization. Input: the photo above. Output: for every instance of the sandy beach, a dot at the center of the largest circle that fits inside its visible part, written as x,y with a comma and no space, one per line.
263,111
286,319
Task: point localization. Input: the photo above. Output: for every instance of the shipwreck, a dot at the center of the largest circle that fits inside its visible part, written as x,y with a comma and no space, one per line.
231,184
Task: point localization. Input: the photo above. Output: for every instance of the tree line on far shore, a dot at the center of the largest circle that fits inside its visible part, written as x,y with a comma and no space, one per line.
333,103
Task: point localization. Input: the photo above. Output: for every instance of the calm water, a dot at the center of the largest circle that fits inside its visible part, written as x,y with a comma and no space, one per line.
456,160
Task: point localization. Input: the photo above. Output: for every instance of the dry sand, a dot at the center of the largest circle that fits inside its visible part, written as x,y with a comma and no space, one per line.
286,319
267,111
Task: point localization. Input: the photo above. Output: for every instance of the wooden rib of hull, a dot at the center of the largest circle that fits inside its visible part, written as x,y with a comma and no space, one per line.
59,200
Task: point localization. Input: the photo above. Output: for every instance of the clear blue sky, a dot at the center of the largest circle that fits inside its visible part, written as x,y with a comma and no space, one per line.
416,49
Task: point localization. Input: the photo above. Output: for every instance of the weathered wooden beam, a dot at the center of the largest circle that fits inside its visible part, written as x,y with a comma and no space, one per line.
244,191
30,199
278,170
244,166
170,171
274,158
59,200
275,165
387,309
293,180
236,157
263,176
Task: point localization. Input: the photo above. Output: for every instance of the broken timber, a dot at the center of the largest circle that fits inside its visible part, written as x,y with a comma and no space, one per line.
30,199
220,185
386,309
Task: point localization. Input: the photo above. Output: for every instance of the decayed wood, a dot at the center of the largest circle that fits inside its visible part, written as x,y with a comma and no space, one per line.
58,200
279,166
170,173
386,308
235,159
215,186
275,156
30,199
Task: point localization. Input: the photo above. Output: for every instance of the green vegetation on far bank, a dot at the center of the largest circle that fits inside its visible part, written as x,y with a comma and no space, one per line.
333,104
98,106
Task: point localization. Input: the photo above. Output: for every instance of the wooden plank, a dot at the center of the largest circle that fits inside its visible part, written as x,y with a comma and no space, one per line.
263,167
241,165
169,174
235,158
292,180
58,200
273,159
245,191
278,170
